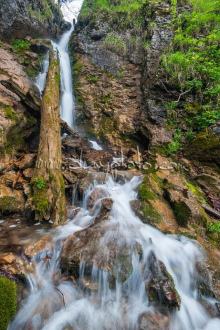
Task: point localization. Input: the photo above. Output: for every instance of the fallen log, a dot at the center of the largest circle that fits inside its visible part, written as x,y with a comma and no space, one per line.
211,211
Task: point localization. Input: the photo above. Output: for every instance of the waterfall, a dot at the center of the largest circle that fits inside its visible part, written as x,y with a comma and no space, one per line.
58,305
93,301
67,100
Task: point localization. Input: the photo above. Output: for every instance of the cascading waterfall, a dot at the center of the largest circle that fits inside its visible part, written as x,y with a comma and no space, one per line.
56,304
67,100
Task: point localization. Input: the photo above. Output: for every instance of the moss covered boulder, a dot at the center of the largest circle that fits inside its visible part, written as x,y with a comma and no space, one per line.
8,301
11,200
205,147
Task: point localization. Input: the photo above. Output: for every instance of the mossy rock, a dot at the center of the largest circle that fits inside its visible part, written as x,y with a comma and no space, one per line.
205,147
9,204
8,301
182,213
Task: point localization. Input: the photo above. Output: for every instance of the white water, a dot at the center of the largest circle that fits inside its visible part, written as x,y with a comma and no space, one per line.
71,11
67,102
105,308
41,79
95,145
64,305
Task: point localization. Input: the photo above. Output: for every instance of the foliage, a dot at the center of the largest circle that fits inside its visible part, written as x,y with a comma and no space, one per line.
40,183
10,114
214,227
20,44
92,79
192,62
175,144
114,44
7,301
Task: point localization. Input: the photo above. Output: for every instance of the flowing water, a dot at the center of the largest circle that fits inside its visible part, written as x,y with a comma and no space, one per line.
41,79
93,301
59,305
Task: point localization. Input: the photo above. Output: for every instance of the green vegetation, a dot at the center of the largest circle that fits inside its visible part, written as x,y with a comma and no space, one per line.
10,114
114,44
214,227
40,183
175,144
150,212
7,301
20,44
145,193
192,62
93,79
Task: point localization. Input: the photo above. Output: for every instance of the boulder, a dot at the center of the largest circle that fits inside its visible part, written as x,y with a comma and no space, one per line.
44,244
28,161
7,258
159,284
153,321
11,200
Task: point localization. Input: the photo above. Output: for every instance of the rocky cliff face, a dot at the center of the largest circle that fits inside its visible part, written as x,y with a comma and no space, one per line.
20,18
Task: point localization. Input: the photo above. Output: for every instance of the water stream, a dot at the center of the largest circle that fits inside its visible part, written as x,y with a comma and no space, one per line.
93,302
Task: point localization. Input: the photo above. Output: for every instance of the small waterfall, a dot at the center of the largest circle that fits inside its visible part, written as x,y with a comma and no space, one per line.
41,78
67,100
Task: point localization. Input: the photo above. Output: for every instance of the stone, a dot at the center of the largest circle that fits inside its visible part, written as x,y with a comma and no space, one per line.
107,203
28,173
70,176
11,200
153,321
44,244
28,161
159,284
7,259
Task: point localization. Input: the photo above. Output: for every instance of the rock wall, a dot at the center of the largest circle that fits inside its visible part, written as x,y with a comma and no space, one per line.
36,18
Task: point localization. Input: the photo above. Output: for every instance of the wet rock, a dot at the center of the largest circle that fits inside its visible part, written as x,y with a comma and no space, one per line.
28,161
159,284
95,196
19,268
7,259
44,244
70,176
72,212
92,177
80,173
153,321
11,200
107,203
100,157
87,245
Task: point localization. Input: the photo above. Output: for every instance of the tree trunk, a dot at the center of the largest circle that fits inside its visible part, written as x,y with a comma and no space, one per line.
47,184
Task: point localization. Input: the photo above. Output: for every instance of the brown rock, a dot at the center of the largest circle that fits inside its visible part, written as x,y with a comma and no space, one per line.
107,203
153,321
28,173
28,161
7,259
70,176
45,243
11,200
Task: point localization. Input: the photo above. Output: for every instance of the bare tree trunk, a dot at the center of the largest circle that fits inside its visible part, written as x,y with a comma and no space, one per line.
47,184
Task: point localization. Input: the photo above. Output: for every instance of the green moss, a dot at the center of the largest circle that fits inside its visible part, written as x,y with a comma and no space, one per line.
194,189
10,114
150,212
145,193
206,140
182,213
7,301
8,204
